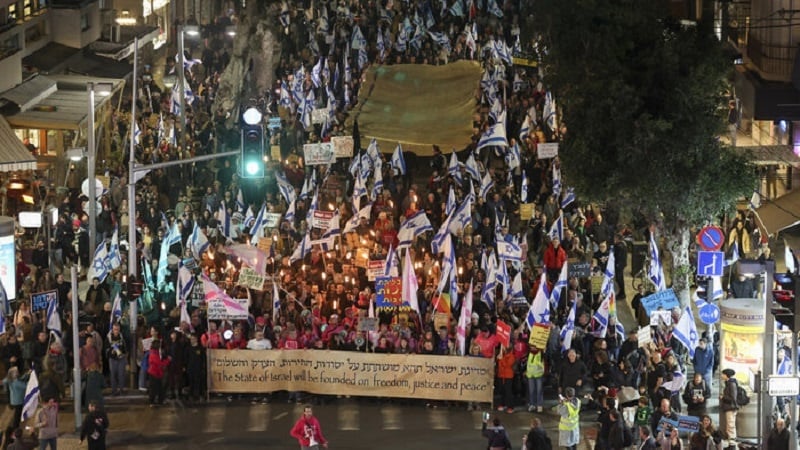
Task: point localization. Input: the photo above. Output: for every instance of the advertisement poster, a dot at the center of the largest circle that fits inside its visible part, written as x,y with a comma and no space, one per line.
8,266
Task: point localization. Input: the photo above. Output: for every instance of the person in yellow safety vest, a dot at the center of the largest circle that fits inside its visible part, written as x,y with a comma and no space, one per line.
535,375
569,408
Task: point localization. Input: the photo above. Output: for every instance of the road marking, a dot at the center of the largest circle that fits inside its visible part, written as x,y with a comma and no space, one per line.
215,419
280,415
439,419
391,418
348,417
258,418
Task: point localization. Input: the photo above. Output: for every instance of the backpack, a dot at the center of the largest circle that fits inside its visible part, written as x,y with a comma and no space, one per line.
499,438
741,396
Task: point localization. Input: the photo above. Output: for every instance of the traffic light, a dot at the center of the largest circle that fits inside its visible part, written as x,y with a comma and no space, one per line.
252,144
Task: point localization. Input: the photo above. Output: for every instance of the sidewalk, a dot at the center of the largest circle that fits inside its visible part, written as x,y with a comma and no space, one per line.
127,416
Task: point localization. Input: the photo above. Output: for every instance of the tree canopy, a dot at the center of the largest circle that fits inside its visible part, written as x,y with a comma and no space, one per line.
643,98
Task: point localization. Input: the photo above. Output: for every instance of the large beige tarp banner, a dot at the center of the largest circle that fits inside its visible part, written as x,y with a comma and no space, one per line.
418,105
352,373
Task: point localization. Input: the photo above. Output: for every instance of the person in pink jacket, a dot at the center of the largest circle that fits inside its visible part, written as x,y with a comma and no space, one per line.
308,431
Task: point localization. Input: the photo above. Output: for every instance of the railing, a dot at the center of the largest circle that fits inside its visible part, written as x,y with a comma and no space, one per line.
776,60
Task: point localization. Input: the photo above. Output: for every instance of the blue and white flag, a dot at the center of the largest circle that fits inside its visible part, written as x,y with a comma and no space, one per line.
568,198
457,8
516,291
276,303
487,183
734,254
413,227
352,224
755,200
539,312
715,288
398,161
607,288
568,330
561,286
172,238
198,242
380,45
114,255
99,269
527,127
285,17
512,157
185,284
285,187
302,249
524,193
240,205
285,96
497,112
450,206
495,136
357,40
334,229
403,35
454,168
488,292
502,51
224,220
441,40
31,400
556,180
557,228
257,229
549,112
53,319
289,215
116,310
686,331
602,315
492,8
511,251
137,133
472,167
316,73
655,273
359,190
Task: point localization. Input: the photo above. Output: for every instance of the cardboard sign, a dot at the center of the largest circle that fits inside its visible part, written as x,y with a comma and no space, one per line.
318,115
41,300
547,150
441,320
322,219
504,333
362,258
368,324
526,211
272,220
250,279
645,337
352,373
342,146
265,244
375,269
540,334
664,299
659,317
579,269
318,154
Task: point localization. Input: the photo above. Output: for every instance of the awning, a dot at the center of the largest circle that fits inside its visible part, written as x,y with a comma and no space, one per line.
64,109
13,154
781,213
766,155
121,50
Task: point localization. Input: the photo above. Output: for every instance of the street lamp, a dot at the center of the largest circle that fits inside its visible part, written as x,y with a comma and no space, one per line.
102,89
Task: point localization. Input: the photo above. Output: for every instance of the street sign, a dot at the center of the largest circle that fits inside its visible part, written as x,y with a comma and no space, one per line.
711,238
709,313
783,386
709,264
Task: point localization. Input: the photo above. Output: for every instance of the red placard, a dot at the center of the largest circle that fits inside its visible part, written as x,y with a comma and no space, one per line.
504,333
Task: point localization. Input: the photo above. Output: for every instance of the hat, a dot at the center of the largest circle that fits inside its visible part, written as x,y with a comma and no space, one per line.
730,373
76,223
475,316
260,321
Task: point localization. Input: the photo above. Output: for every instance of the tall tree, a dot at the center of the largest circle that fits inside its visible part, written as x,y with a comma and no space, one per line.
643,97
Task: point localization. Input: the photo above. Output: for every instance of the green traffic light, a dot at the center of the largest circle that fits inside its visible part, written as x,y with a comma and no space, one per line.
253,168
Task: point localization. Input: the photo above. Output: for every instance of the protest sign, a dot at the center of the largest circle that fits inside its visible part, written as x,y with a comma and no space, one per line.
224,309
362,258
322,219
644,336
249,278
579,269
198,295
375,269
540,334
342,146
388,293
441,320
659,317
526,211
318,115
272,220
318,154
265,244
352,373
40,300
504,332
664,299
368,324
547,150
597,284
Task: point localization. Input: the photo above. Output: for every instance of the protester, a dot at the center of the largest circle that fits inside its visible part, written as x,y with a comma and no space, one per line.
537,438
157,364
47,424
308,431
569,425
94,427
496,434
728,404
779,436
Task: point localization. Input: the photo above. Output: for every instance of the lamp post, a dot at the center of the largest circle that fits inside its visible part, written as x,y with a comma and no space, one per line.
93,88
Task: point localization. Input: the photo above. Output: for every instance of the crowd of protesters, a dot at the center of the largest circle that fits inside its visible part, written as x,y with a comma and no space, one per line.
323,294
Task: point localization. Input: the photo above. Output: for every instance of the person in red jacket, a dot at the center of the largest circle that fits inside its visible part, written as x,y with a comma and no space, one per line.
308,431
505,378
554,258
158,363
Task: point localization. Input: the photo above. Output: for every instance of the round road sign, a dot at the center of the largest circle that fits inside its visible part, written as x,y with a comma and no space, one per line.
711,238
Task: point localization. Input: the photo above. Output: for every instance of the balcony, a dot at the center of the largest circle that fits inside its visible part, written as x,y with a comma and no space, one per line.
774,62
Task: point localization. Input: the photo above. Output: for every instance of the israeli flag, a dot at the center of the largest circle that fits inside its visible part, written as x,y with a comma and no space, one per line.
492,8
53,319
285,187
487,183
316,74
276,303
224,220
523,190
391,265
686,331
398,161
509,250
755,200
441,39
556,180
512,157
568,198
488,292
557,228
413,227
284,16
289,215
31,400
257,230
357,40
516,287
114,255
454,169
401,42
240,200
656,271
560,286
116,310
99,269
302,249
495,136
457,8
568,330
380,45
539,312
549,112
607,287
472,167
198,242
497,112
137,133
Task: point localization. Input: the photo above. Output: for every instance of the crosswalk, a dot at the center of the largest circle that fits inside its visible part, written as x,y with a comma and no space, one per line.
219,417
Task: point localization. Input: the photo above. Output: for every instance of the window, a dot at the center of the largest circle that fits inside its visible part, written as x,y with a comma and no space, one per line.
34,33
12,12
85,21
9,46
27,8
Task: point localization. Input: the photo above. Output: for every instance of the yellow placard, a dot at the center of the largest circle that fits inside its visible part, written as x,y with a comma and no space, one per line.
275,152
265,244
352,373
597,284
524,62
526,211
362,258
540,334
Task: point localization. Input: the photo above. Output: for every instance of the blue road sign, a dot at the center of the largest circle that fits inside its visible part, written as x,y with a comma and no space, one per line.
709,313
709,264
